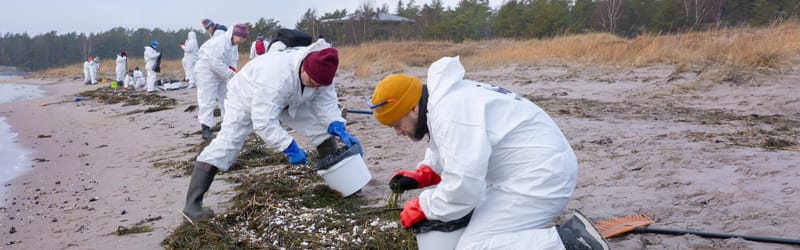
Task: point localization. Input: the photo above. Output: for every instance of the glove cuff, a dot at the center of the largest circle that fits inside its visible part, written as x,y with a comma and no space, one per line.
412,213
336,128
291,148
426,176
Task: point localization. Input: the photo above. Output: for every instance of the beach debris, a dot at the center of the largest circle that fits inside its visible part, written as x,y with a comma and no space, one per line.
93,199
13,230
40,160
136,229
602,141
76,99
43,136
191,108
123,212
128,98
58,182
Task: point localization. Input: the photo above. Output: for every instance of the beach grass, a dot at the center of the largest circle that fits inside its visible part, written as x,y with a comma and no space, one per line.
734,49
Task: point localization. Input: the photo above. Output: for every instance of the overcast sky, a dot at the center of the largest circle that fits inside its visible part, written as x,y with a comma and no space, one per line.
87,16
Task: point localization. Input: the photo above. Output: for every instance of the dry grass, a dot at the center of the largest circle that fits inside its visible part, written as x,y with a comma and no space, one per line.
769,48
733,50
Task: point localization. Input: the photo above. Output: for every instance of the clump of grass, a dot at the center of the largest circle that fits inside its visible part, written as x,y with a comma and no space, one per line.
776,143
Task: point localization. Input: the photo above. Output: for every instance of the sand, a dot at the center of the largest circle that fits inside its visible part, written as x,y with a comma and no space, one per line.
689,151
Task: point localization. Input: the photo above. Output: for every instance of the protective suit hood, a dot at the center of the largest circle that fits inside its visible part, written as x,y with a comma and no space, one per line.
442,75
192,35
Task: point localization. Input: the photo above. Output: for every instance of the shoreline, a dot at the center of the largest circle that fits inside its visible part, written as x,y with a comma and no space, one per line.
19,155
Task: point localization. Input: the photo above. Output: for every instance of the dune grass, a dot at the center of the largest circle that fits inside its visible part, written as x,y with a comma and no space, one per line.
768,48
737,49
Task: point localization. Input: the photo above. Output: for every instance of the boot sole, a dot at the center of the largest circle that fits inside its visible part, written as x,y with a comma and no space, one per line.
587,224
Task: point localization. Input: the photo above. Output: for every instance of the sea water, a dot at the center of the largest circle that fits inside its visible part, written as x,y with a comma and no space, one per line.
14,158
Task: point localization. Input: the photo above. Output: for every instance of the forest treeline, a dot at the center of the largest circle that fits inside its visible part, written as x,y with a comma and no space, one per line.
468,20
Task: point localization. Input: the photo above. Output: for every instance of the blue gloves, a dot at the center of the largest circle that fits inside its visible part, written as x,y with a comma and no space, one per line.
295,153
337,128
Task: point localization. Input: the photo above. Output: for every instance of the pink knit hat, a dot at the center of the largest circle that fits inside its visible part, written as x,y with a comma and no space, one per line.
240,30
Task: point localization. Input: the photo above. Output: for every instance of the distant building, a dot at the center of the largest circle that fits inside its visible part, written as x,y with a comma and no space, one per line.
354,28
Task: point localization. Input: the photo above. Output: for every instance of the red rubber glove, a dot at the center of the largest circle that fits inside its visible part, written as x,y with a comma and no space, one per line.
406,180
234,69
412,213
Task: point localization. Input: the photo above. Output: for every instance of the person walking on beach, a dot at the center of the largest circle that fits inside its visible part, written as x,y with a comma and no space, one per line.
491,153
258,47
293,86
190,48
150,56
122,66
216,65
87,66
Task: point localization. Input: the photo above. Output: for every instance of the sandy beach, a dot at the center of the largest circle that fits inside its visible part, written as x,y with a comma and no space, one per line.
93,171
689,151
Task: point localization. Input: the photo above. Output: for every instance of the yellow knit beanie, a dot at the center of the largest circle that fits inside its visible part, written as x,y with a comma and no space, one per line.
399,94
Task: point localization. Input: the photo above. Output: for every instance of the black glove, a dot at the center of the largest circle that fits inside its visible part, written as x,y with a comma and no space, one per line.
406,180
400,183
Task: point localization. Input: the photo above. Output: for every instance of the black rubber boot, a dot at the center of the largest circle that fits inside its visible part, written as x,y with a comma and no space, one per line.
327,147
578,233
206,132
202,176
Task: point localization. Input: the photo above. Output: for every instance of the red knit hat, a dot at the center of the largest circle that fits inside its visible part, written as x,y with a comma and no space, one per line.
321,65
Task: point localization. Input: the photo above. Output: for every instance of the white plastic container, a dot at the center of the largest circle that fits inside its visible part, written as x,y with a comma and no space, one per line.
438,240
349,174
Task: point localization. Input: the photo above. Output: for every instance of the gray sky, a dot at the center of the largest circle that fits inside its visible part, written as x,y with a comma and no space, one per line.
87,16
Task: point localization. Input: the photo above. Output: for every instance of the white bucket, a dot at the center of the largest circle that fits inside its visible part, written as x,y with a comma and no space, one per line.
347,176
438,240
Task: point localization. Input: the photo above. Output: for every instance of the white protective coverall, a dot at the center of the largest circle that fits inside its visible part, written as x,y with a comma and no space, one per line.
138,76
87,65
213,72
93,68
496,153
190,48
122,65
265,93
129,82
150,57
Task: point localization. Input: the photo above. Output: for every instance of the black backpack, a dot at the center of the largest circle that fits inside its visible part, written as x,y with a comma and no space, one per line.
291,38
157,67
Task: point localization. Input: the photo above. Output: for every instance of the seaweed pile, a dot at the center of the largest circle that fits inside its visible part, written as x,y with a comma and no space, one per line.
284,206
129,97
